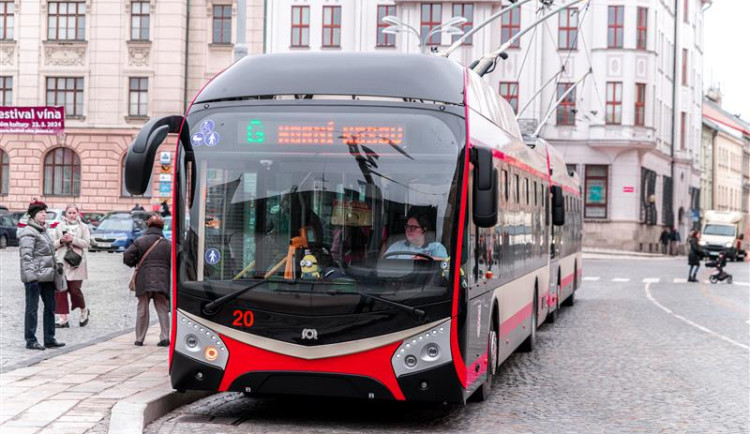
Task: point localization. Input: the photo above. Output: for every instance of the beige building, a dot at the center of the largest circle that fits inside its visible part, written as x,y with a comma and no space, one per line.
113,65
730,145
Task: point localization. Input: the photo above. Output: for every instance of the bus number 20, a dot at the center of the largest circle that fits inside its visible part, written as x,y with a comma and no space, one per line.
243,318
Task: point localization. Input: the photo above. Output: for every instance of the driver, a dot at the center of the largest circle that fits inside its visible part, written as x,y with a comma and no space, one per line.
416,228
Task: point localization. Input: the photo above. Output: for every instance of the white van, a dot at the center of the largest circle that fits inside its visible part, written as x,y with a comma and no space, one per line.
724,230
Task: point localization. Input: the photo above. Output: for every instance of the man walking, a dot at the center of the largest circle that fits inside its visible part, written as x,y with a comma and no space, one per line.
664,240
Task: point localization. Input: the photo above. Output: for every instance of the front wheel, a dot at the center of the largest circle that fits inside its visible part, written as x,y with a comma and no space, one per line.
712,279
552,316
483,393
527,345
729,280
3,242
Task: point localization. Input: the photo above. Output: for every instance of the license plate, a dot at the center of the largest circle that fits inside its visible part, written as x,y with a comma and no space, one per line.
104,244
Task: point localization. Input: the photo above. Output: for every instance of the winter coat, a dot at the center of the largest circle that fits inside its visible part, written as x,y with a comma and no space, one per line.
37,253
695,255
155,271
80,245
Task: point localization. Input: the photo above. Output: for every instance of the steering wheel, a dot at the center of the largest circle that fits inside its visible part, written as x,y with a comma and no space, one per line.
421,255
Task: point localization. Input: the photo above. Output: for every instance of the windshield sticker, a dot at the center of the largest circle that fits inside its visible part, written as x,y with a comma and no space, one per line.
212,256
196,139
207,126
212,138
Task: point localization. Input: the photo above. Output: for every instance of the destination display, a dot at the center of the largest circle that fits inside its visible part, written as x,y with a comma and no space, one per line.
32,120
258,131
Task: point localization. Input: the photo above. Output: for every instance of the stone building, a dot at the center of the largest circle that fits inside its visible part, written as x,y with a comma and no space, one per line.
112,65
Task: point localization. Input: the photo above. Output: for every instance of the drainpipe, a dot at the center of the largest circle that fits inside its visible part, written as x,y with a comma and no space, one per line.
240,48
265,21
674,108
187,44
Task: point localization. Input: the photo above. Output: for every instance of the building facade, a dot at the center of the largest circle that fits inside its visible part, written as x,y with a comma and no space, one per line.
112,65
632,130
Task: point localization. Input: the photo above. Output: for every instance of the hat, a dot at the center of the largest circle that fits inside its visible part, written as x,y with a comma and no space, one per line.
35,207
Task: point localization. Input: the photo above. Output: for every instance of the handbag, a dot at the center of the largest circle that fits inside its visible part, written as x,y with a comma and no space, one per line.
131,284
61,284
72,258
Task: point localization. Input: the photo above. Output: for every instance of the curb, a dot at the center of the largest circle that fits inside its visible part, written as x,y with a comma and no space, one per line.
133,414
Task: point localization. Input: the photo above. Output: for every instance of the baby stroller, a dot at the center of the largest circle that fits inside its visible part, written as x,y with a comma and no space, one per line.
719,263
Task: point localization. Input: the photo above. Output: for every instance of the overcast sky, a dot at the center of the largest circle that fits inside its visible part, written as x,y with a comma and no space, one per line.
727,53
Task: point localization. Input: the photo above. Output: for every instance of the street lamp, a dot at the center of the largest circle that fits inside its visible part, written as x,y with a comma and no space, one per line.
398,26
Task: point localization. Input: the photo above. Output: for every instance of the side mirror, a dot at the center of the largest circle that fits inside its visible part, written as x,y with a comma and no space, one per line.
139,160
484,212
558,206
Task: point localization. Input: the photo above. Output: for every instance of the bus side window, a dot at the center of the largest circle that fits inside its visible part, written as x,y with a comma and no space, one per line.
506,186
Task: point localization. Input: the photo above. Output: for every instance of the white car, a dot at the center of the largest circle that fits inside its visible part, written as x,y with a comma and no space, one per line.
54,217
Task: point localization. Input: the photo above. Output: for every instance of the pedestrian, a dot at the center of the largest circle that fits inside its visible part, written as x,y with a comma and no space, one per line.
165,209
694,257
72,235
675,241
151,255
664,239
137,207
36,250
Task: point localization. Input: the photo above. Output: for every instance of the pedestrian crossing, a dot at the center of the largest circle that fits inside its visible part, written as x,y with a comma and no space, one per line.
651,280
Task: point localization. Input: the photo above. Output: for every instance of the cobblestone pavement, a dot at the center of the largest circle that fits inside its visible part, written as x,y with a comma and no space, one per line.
630,356
112,305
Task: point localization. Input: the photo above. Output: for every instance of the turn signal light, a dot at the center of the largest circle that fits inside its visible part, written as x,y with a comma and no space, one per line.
211,353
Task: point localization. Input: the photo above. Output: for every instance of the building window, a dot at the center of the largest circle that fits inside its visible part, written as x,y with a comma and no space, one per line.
140,21
685,10
300,26
614,26
597,179
6,21
465,10
431,18
684,67
62,173
384,39
331,26
510,26
667,215
6,91
125,192
683,130
138,92
566,110
640,104
642,28
614,103
509,91
4,171
66,21
67,92
567,29
222,24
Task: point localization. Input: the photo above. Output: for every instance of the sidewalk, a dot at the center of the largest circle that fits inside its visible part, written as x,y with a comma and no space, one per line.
76,392
613,252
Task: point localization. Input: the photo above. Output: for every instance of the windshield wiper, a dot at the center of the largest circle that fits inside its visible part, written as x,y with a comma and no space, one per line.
418,313
213,307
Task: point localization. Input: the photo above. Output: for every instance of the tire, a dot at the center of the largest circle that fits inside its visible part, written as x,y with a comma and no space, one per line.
729,279
3,242
529,343
712,279
570,301
483,393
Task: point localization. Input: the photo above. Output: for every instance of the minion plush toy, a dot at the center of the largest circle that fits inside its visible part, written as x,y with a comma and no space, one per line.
310,267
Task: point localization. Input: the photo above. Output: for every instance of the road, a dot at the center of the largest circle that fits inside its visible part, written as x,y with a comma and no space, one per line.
640,351
113,309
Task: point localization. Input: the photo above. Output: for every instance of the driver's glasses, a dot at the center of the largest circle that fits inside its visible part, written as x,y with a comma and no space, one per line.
412,228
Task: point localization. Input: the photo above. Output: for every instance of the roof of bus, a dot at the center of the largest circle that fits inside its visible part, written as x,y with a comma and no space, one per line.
414,76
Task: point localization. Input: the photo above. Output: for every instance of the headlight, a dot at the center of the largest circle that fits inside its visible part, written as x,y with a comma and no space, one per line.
729,244
702,242
426,350
198,342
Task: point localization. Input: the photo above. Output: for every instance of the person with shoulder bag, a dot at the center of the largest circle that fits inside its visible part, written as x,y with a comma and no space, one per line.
151,254
38,269
72,240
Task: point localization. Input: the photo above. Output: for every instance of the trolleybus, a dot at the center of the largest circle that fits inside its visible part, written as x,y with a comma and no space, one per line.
358,225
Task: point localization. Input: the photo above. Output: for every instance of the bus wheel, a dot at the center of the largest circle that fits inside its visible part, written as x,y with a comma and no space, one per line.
527,345
483,393
552,316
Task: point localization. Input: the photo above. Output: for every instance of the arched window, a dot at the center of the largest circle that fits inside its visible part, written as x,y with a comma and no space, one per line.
4,172
125,192
62,173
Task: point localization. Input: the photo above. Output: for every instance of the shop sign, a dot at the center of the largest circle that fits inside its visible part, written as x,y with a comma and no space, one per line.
32,120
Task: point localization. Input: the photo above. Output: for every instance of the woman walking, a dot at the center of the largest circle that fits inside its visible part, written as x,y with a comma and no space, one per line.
151,254
694,257
72,235
38,275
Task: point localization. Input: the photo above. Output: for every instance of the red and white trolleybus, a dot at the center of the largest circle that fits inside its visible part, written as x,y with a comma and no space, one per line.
358,225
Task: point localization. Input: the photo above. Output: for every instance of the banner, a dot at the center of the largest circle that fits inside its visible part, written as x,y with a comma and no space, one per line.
32,120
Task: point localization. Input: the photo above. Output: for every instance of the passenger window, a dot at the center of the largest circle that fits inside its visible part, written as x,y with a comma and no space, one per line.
517,182
506,188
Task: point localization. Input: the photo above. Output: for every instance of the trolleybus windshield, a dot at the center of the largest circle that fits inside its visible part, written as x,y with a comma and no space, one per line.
311,200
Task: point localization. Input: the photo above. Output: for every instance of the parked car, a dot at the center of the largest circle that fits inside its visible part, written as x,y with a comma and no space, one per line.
116,233
4,210
8,228
92,218
54,217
